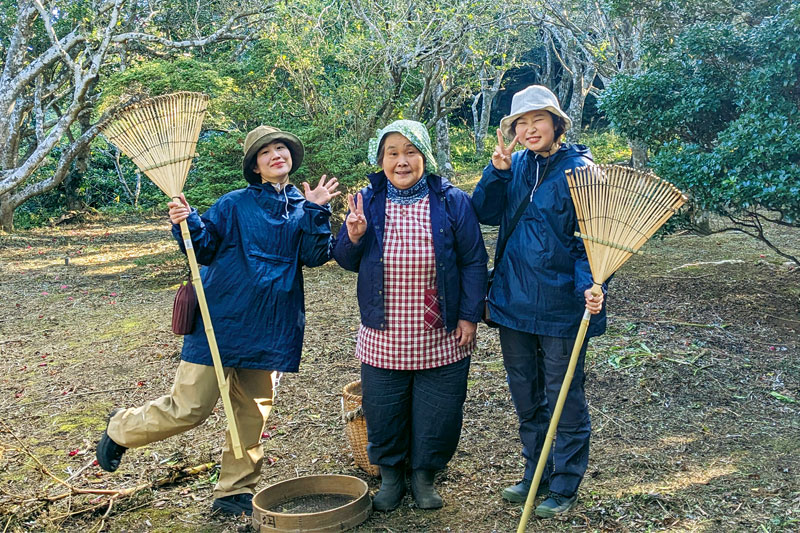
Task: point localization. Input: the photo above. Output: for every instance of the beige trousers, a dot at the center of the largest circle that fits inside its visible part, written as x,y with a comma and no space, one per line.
191,400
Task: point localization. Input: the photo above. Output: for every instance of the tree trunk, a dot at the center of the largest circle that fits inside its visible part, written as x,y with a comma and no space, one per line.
443,148
442,135
581,83
486,113
137,191
72,183
480,121
700,219
476,123
6,214
639,157
575,113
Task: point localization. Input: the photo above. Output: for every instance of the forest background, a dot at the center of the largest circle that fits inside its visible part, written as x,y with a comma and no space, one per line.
707,94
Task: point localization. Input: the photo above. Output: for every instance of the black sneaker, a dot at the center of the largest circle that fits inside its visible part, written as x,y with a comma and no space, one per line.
556,504
519,493
234,505
109,453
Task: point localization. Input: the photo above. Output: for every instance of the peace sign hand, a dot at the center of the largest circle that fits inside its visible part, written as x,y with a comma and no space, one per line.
356,221
501,158
323,193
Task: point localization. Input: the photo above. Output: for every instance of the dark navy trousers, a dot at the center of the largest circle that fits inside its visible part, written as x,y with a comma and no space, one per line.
535,365
414,413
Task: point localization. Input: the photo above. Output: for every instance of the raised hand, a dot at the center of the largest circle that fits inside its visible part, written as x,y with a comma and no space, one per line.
323,193
356,221
179,211
501,158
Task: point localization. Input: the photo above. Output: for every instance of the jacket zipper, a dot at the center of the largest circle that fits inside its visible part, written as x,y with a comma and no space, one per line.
536,183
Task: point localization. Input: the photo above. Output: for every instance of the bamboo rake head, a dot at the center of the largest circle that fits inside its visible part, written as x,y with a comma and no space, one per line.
160,135
619,209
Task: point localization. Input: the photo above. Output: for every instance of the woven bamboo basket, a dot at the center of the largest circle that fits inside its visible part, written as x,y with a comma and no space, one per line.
356,427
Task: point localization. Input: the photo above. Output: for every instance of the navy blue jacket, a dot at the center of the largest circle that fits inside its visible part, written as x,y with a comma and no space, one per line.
255,242
457,242
539,282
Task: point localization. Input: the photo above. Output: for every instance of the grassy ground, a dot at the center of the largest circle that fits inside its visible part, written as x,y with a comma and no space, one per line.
693,392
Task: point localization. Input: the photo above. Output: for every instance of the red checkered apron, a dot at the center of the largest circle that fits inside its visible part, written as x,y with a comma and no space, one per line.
415,337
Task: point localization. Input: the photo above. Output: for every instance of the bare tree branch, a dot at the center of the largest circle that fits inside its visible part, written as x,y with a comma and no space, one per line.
42,95
226,32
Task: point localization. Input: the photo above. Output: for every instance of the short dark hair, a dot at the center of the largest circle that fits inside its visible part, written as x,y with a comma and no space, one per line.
559,126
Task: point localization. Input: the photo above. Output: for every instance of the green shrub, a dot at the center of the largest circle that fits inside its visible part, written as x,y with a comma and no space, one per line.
335,154
157,77
217,170
607,146
720,110
462,150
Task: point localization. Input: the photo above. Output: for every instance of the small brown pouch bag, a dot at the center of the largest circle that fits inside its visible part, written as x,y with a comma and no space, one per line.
183,309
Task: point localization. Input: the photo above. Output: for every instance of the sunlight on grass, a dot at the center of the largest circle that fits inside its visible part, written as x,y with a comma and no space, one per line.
467,181
694,475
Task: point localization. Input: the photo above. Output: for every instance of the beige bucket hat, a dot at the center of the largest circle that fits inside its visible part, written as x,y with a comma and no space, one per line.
262,136
532,98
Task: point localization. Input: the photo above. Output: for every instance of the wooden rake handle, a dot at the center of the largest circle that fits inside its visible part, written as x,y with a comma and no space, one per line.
224,386
551,430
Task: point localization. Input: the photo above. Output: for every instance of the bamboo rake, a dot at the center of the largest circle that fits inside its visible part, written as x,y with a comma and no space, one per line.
618,210
160,136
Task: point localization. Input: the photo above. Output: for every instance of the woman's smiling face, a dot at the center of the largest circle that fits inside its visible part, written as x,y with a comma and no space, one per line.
402,162
535,131
273,162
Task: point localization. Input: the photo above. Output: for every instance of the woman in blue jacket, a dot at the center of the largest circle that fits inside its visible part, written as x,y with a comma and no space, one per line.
254,243
415,242
540,288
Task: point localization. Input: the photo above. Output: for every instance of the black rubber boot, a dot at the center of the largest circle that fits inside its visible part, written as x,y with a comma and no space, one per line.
423,491
109,453
393,488
235,505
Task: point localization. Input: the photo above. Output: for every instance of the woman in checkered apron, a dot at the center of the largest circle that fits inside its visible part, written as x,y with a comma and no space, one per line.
416,244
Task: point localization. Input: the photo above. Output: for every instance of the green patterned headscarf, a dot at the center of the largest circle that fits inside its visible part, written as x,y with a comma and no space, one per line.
414,131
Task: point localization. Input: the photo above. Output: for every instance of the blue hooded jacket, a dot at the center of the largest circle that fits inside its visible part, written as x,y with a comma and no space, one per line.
255,242
539,282
458,246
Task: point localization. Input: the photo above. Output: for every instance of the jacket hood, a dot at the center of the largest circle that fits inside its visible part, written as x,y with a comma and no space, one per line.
267,188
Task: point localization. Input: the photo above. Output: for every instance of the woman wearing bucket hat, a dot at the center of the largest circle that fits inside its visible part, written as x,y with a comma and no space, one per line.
254,243
540,285
416,244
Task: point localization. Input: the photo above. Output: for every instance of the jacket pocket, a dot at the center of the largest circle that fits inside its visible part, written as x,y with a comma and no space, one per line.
433,313
273,272
260,255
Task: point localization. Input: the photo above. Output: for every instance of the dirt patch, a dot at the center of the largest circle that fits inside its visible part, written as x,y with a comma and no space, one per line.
694,393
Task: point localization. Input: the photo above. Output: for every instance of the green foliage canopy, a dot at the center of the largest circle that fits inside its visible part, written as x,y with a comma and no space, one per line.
720,110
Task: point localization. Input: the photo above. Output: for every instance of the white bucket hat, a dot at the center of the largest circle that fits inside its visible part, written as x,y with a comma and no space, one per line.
532,98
